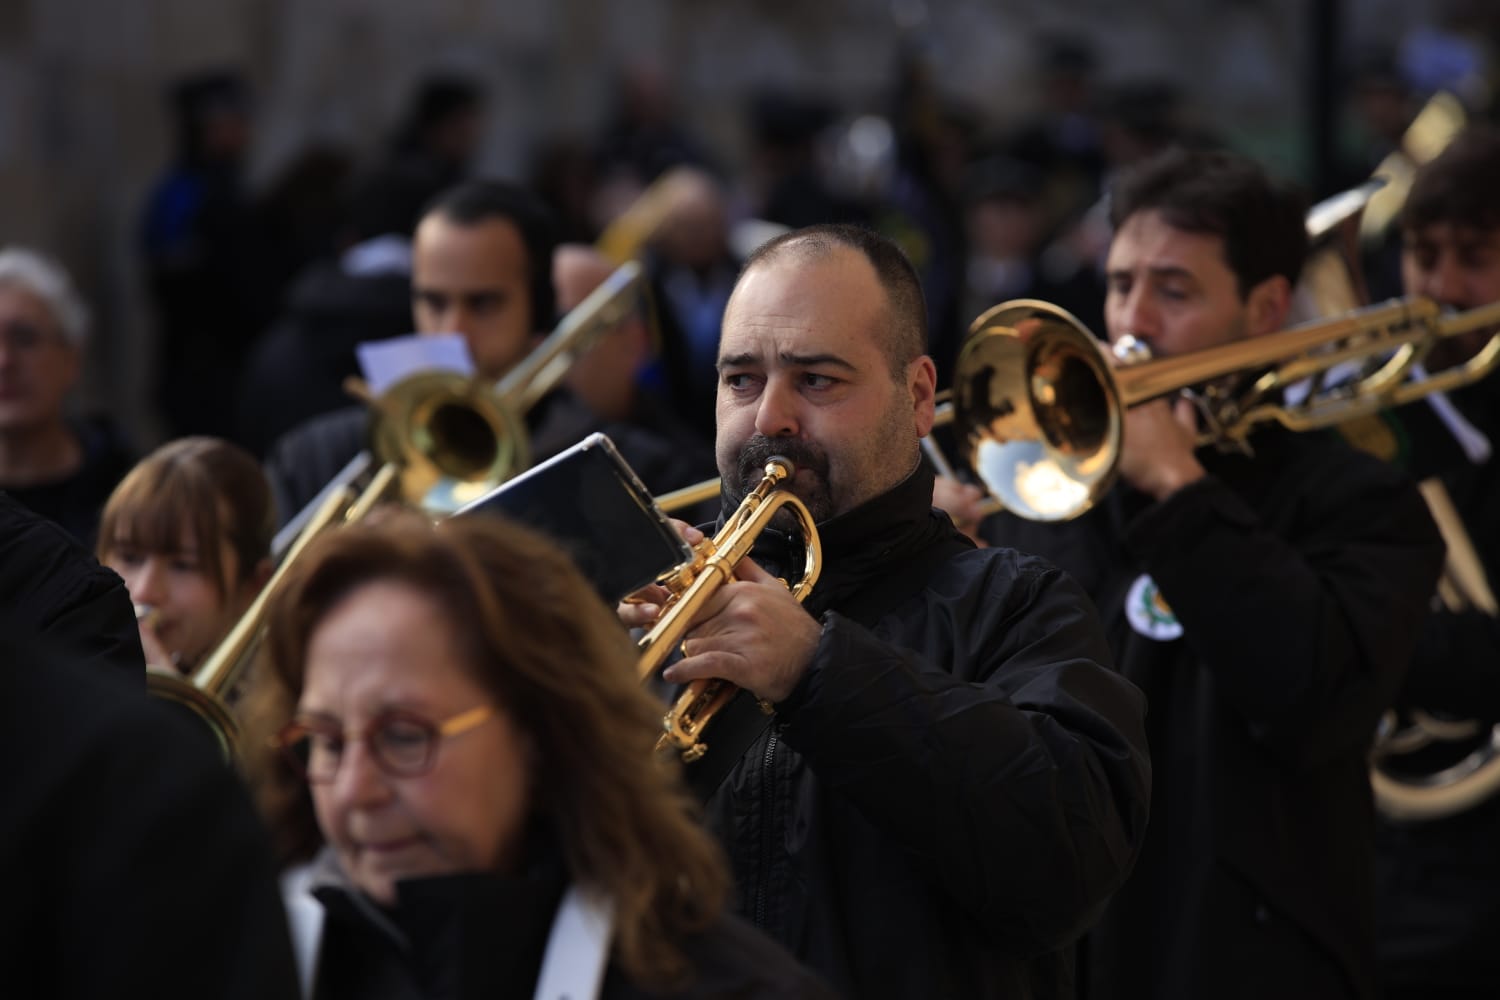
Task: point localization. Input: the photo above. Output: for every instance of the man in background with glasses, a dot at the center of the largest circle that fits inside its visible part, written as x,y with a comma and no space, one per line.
60,467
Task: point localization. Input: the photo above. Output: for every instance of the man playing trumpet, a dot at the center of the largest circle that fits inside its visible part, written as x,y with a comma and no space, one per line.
954,780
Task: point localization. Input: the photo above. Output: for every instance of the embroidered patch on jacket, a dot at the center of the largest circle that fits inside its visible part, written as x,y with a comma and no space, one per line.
1148,612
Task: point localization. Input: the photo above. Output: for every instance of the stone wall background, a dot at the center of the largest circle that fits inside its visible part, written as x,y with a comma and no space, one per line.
83,130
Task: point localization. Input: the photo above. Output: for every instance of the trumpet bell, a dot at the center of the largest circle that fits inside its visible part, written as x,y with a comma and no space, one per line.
1036,399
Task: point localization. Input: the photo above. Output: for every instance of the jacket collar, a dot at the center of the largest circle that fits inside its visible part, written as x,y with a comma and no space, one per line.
422,920
869,539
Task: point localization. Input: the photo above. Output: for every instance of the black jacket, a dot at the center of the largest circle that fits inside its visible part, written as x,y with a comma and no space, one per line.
77,500
1455,668
132,860
1438,916
1297,580
52,589
476,935
958,782
296,369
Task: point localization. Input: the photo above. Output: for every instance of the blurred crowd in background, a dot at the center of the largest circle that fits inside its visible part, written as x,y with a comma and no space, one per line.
254,285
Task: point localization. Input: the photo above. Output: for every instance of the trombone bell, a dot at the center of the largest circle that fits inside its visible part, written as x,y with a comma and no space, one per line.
451,437
1040,409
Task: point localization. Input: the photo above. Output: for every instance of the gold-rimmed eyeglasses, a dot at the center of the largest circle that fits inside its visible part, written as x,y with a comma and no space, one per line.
403,744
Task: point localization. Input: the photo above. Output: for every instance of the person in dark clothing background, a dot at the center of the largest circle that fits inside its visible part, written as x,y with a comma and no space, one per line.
1437,915
296,370
954,781
59,465
1266,601
1007,228
214,283
439,134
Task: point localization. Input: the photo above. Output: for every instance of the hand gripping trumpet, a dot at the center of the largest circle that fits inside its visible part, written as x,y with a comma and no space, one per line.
692,585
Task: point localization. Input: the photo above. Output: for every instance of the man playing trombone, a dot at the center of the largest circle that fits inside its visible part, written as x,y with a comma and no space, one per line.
954,780
1266,600
482,266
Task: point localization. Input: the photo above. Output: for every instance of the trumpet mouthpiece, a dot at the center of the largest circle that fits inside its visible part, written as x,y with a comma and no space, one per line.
781,466
145,613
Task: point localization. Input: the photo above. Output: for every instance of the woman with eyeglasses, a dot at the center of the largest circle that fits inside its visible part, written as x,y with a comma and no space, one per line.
478,785
189,530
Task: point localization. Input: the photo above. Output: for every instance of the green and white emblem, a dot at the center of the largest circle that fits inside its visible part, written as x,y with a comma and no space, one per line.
1148,612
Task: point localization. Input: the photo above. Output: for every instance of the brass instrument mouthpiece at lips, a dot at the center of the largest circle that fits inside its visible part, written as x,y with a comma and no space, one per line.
692,585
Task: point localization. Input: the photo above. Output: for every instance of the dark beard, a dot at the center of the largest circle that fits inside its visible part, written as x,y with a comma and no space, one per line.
804,455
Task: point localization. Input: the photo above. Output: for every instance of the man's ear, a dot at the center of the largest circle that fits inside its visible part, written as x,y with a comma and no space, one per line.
1267,306
921,383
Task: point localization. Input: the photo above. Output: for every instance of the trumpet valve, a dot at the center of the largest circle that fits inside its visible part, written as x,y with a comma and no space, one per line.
690,715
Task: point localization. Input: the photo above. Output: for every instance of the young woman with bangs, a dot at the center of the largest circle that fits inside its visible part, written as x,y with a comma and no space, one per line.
189,530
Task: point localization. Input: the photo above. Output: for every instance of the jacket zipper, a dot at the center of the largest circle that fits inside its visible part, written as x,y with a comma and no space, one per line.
767,827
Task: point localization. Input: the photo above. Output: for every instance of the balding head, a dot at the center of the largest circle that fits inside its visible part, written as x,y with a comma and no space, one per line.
905,334
604,376
577,269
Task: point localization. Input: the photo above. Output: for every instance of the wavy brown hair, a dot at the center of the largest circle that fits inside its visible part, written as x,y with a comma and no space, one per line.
559,662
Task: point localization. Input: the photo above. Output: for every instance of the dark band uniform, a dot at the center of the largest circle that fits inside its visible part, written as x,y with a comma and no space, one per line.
958,781
1291,588
1439,912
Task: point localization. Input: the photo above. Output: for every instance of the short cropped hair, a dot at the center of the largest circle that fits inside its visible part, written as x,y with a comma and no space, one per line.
1261,222
1458,187
47,280
475,202
906,337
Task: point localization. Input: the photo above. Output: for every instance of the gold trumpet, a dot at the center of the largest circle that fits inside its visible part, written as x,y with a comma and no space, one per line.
693,584
1041,406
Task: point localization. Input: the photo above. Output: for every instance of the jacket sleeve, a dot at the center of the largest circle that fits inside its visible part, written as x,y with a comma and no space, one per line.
53,589
1307,626
1005,755
133,860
